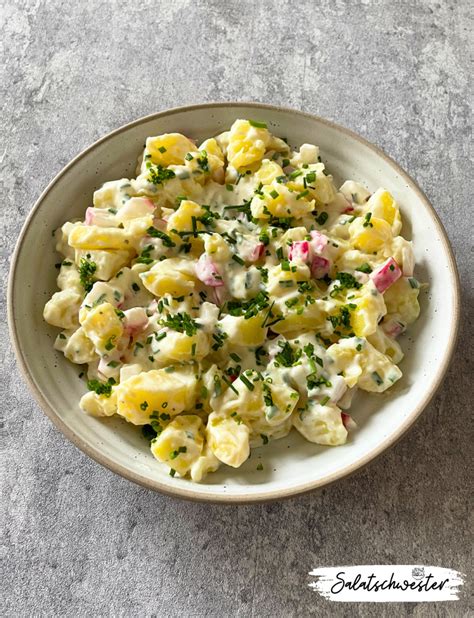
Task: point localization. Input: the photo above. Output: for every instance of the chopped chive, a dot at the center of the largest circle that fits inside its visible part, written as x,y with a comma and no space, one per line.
257,124
247,382
230,385
376,378
295,174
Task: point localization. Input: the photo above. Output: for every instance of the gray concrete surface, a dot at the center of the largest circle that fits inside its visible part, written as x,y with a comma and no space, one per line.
79,541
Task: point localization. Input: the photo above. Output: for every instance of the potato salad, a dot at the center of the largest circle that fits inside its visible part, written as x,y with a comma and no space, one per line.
231,292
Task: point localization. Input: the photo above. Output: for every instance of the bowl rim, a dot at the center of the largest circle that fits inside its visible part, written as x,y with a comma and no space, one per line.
187,491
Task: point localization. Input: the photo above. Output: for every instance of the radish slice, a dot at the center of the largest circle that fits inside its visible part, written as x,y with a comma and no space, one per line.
218,297
386,275
299,250
135,207
207,272
392,328
257,252
348,421
100,216
320,267
318,241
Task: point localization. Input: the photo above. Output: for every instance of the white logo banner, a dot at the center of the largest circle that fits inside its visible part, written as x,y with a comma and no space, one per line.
387,583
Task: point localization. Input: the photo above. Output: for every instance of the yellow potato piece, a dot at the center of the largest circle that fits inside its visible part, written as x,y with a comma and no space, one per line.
402,298
370,236
312,318
228,439
156,390
180,444
268,172
174,276
62,309
107,262
168,149
212,148
370,309
321,424
95,237
247,144
79,348
98,405
180,347
182,219
383,206
217,247
205,463
103,327
348,358
280,202
244,332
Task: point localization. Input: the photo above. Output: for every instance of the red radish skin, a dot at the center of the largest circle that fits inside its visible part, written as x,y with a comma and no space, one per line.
320,267
299,250
207,272
386,275
318,242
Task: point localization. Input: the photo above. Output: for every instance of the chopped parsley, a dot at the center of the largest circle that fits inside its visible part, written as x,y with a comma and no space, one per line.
87,269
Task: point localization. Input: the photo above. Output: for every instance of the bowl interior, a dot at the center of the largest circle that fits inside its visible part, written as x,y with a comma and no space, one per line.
290,465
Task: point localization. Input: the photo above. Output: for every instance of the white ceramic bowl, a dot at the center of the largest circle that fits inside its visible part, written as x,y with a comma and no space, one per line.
291,465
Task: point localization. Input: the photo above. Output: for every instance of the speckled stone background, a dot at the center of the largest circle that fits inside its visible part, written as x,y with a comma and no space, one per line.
79,541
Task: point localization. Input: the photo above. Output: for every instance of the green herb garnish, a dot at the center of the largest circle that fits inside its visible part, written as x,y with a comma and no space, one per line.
87,269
